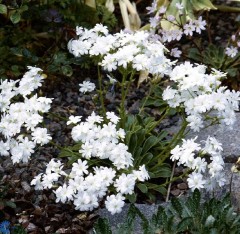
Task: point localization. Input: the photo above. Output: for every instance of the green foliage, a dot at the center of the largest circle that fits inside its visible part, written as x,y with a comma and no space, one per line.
183,216
17,229
145,145
5,202
190,7
36,33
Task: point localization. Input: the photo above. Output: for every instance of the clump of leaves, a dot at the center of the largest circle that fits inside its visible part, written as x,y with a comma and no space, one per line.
182,216
145,144
36,33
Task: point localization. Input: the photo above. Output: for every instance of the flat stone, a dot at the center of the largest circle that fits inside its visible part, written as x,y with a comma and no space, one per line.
182,186
117,219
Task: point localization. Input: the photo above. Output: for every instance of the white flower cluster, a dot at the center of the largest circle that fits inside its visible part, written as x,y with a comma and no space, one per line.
188,29
22,117
176,32
135,50
86,185
204,175
200,96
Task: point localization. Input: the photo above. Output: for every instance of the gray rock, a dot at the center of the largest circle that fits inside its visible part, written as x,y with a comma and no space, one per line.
117,219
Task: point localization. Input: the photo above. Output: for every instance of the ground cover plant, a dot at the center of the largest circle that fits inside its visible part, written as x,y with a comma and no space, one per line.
182,216
108,156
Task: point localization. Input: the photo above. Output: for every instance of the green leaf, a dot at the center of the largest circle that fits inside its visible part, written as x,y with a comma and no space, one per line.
141,135
195,55
177,205
15,17
67,70
149,143
146,159
156,187
163,171
76,147
196,198
132,197
102,226
66,153
143,188
10,204
132,143
3,9
23,8
140,121
184,224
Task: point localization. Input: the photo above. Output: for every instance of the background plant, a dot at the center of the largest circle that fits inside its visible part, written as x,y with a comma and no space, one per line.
36,33
179,20
183,215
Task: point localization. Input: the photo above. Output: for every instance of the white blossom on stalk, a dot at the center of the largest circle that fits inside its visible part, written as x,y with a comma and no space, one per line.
87,86
199,25
196,181
231,51
175,52
74,119
114,203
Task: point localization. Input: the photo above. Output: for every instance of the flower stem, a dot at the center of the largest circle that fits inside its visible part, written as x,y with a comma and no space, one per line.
125,85
101,93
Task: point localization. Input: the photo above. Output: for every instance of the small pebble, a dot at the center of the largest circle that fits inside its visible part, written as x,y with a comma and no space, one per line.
182,186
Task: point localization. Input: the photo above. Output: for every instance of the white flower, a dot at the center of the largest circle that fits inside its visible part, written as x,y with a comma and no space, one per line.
64,193
141,174
189,28
85,201
199,24
114,203
170,18
86,150
125,183
40,136
196,181
112,117
152,8
169,93
79,168
87,86
175,52
179,6
231,51
37,182
4,148
74,119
